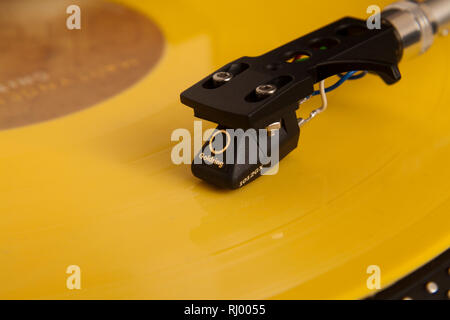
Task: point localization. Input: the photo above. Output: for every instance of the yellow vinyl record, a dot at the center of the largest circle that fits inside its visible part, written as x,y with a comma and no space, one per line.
87,178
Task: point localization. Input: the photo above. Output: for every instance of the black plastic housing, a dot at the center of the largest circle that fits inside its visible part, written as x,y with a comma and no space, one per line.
350,46
342,46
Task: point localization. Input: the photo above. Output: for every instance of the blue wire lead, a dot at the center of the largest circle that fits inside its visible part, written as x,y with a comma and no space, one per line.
348,76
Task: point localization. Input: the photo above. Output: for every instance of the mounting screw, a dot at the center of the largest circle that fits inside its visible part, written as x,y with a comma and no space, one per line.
265,90
222,77
272,128
432,287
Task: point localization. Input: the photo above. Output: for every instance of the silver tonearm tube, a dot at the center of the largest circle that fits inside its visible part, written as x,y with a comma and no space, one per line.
417,22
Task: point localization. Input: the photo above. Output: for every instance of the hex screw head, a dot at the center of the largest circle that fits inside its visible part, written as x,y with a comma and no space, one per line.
266,90
222,77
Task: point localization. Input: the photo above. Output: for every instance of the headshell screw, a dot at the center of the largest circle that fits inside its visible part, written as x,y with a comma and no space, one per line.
265,90
222,77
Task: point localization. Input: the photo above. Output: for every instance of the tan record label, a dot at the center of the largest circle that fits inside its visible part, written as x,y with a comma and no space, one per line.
48,71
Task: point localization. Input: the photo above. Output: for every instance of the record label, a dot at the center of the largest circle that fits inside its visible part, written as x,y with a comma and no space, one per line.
48,70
